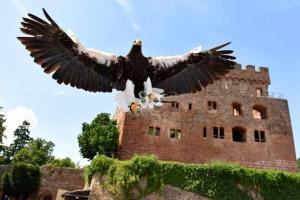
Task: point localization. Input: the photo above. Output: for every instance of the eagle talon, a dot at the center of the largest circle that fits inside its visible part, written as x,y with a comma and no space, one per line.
152,97
135,107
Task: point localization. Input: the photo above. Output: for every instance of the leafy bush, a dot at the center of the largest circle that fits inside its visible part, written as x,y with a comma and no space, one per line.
218,181
64,162
21,181
124,176
222,181
7,185
25,179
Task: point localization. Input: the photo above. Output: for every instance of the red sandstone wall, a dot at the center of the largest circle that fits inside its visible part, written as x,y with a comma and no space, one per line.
277,152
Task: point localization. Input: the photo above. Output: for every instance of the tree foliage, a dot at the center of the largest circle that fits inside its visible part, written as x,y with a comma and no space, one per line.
99,137
37,152
2,128
298,163
22,138
64,162
21,181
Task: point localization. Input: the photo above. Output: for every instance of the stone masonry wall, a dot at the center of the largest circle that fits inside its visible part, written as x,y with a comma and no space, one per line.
240,87
59,178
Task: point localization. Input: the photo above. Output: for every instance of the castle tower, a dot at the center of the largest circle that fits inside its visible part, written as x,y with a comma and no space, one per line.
235,119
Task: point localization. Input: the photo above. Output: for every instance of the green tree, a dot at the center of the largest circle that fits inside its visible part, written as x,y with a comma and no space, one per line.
22,138
2,127
298,163
37,152
25,179
2,147
99,137
64,162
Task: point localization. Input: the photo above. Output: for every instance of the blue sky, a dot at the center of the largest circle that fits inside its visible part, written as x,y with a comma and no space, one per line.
263,33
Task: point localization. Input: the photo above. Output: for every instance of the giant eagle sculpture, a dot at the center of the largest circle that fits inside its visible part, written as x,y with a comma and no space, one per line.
69,62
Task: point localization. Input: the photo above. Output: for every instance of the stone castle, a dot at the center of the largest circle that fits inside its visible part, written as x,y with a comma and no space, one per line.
235,119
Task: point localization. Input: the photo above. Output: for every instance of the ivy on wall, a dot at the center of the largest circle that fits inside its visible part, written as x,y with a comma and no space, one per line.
218,181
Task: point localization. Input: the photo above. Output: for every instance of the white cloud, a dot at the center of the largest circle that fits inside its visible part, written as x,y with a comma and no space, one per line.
19,5
59,92
15,117
127,6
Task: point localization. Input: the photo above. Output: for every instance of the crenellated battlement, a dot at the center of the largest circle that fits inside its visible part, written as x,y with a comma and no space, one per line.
249,73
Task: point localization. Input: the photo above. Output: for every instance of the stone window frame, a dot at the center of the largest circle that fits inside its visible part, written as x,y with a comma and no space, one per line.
218,132
175,104
260,136
258,92
175,132
153,131
212,106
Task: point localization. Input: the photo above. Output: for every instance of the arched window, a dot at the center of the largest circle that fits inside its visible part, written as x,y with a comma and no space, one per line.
239,134
259,112
237,109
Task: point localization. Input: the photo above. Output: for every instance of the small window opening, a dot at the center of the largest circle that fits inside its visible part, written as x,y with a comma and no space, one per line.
237,109
175,133
190,106
212,106
218,132
259,112
259,136
175,104
154,131
204,132
258,92
239,134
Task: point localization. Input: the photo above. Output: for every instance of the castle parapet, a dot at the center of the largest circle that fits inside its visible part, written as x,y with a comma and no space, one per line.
249,73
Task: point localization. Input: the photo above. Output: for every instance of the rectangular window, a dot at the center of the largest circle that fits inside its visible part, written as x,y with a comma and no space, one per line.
216,132
259,136
256,136
258,92
219,132
190,106
154,131
262,136
177,105
204,132
157,131
212,106
175,133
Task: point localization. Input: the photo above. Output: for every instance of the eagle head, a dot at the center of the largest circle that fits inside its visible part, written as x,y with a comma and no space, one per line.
137,42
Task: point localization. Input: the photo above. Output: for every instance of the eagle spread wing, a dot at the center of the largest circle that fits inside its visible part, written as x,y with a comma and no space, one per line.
68,61
191,71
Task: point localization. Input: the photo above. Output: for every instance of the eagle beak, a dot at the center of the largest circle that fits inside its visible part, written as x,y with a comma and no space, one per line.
138,42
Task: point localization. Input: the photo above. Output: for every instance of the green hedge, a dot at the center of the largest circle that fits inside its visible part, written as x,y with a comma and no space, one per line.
21,181
218,181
